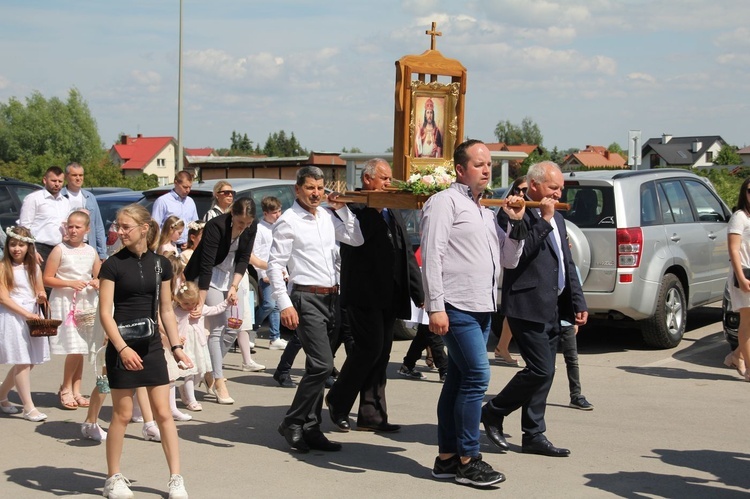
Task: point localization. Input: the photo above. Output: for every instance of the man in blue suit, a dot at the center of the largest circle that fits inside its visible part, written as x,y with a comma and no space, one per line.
542,290
83,199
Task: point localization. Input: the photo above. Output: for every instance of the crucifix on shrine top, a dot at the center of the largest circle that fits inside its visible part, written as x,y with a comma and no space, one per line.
433,33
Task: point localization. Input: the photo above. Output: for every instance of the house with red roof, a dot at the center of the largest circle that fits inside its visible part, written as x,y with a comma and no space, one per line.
593,157
148,155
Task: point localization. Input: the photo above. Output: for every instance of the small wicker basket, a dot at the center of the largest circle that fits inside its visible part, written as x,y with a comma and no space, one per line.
234,322
43,327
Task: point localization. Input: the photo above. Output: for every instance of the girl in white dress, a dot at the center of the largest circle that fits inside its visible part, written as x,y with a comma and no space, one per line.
21,289
194,335
71,271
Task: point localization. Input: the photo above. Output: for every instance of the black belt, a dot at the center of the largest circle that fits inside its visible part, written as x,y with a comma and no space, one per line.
318,290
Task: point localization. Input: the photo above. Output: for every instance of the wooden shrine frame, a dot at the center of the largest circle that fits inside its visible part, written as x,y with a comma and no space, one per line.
427,67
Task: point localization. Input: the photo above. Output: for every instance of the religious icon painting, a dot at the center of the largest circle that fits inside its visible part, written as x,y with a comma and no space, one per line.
433,123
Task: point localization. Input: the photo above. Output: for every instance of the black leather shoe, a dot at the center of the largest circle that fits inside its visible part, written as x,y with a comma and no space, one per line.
379,428
493,427
284,380
294,437
317,441
341,422
543,447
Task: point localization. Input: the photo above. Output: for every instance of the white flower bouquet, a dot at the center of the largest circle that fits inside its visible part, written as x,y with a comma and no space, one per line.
429,179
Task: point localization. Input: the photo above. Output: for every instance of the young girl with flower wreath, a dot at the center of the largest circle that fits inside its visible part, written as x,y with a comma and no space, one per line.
171,230
21,289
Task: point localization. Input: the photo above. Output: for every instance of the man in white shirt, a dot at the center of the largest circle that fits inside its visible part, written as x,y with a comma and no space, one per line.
305,242
267,307
44,211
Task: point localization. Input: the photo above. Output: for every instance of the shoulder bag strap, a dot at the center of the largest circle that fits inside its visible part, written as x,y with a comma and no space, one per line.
158,271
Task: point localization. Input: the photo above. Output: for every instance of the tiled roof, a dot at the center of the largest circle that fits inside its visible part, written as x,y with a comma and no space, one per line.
591,159
201,151
137,152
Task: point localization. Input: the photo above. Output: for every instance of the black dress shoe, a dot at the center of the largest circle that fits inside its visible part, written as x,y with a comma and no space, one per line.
543,447
379,428
317,441
493,427
294,436
341,422
284,380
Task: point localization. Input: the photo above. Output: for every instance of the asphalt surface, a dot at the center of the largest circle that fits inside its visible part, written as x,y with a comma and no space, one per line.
666,423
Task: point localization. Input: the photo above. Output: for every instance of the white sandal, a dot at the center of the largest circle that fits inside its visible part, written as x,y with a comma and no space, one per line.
8,409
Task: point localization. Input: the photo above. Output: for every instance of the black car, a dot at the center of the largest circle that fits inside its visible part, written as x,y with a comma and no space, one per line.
12,194
730,320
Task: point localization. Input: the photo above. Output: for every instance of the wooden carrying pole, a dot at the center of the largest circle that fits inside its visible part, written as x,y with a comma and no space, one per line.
395,199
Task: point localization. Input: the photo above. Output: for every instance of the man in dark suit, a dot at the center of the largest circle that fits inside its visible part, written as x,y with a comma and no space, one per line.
542,290
378,279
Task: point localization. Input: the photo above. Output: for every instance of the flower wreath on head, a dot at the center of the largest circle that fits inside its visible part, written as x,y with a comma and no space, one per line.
182,289
196,225
177,222
13,235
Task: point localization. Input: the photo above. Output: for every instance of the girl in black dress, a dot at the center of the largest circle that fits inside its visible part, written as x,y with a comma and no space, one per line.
128,283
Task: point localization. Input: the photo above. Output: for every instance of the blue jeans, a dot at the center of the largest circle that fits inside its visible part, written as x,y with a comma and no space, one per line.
460,404
268,308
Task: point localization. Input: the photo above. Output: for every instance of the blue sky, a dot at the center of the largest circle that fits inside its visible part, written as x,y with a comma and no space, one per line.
586,71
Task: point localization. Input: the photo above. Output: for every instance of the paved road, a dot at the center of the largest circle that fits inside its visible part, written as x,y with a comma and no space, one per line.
663,426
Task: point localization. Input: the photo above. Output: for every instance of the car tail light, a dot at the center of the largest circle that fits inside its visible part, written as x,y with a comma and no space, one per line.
111,238
629,247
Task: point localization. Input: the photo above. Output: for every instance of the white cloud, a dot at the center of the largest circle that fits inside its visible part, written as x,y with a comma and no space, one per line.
641,78
216,62
740,60
149,79
738,37
4,82
538,12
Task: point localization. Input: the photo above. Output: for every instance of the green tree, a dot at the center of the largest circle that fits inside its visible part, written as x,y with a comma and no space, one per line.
526,133
64,130
615,147
277,144
353,150
728,156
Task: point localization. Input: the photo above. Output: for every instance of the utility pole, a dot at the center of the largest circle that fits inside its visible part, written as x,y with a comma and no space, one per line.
180,155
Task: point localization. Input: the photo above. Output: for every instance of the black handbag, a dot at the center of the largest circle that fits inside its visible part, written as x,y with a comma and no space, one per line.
136,332
747,276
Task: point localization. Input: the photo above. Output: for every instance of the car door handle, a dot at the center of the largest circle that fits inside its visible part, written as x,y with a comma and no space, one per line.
712,236
675,238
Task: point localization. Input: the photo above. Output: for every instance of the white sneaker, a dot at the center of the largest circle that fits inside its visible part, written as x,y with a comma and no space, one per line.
93,431
181,416
117,487
277,344
151,433
136,419
177,488
252,366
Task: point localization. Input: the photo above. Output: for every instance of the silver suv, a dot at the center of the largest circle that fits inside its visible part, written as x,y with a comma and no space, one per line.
652,244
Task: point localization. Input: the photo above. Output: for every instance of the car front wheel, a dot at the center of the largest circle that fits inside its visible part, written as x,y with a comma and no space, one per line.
666,327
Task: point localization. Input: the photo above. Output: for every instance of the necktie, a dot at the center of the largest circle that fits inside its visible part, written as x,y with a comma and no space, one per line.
560,264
